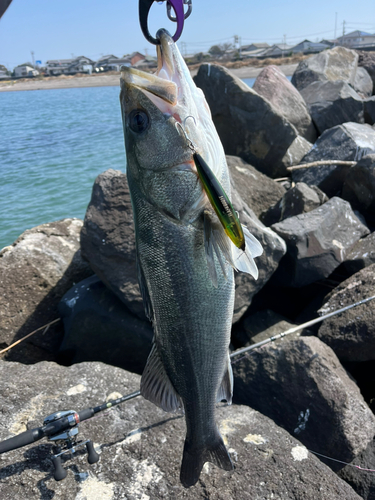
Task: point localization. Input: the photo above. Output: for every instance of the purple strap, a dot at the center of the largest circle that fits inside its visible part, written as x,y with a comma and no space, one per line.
178,7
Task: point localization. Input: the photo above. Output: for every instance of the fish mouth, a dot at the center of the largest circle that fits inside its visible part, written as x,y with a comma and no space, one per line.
163,87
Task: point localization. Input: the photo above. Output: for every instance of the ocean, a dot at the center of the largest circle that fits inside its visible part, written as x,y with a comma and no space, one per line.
53,144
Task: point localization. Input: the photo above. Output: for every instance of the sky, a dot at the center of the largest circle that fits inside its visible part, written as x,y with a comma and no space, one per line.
61,29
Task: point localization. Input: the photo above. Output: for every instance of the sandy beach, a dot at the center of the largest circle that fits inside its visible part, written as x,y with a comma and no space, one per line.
109,80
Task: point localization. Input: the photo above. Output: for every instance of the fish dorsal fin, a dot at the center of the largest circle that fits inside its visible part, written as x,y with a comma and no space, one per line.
144,291
156,385
225,391
217,242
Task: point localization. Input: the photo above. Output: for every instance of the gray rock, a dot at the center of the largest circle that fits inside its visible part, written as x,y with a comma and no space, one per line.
332,103
140,446
107,238
359,187
248,125
363,482
296,151
348,142
272,84
363,82
35,272
335,64
361,255
302,386
369,110
256,189
317,242
352,333
299,199
273,250
99,327
367,61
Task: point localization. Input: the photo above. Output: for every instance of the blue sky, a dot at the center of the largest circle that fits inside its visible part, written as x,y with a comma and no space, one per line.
57,29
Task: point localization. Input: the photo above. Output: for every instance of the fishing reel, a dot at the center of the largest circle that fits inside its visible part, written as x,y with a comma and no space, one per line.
66,442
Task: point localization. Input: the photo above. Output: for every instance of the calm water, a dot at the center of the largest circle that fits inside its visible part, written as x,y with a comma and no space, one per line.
53,144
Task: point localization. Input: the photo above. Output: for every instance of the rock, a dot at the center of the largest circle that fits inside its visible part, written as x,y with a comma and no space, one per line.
273,85
36,271
302,386
348,142
260,326
332,103
99,327
363,82
361,255
256,189
359,187
273,250
140,446
297,200
248,125
335,64
352,333
363,483
367,61
296,151
369,110
107,238
317,242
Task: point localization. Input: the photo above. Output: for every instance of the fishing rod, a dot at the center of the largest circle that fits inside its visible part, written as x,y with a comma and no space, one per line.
61,427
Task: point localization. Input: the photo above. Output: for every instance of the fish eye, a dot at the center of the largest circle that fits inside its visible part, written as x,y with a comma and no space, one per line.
138,121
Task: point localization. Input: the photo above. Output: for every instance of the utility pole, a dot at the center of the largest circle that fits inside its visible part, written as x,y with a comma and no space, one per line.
284,43
32,58
146,52
335,24
343,28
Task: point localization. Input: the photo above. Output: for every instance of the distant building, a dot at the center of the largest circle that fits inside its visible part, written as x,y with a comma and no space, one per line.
307,47
254,46
4,75
277,50
134,57
114,63
79,64
356,39
25,72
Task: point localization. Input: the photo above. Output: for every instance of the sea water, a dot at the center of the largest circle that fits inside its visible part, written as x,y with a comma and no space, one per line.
53,144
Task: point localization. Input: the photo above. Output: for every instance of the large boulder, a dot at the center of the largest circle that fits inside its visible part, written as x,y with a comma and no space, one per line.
351,334
361,255
273,85
332,103
367,60
359,187
299,199
302,386
274,249
348,142
247,123
140,446
317,242
35,272
107,238
99,327
332,65
363,82
369,110
256,189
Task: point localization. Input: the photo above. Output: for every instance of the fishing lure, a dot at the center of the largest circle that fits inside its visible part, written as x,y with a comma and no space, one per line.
220,202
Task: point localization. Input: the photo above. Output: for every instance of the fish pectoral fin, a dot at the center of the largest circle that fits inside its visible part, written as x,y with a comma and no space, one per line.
215,240
156,385
225,391
144,291
244,260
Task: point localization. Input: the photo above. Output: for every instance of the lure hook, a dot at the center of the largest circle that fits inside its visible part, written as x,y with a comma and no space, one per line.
178,7
189,142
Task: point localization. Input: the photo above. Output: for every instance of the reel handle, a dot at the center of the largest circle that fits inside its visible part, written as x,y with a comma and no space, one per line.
60,473
92,456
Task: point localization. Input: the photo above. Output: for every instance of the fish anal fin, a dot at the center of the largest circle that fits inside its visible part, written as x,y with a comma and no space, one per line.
195,457
156,385
225,391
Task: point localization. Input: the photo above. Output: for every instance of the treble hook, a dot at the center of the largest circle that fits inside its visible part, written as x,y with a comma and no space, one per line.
178,7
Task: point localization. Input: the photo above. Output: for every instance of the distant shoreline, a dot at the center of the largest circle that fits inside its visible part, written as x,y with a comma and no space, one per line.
112,80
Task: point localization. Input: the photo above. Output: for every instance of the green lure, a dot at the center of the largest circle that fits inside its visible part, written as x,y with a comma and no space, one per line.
220,202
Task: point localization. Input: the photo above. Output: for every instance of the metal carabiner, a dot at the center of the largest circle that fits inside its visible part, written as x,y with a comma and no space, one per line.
189,3
144,9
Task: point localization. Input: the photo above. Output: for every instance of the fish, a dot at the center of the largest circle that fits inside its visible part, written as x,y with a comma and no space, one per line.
185,259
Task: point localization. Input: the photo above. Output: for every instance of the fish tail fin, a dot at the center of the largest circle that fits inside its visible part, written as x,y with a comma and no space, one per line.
194,458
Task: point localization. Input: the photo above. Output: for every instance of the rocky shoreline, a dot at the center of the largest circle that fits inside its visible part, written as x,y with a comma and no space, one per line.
311,392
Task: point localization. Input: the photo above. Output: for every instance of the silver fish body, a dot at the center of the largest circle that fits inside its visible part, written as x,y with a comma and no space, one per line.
189,302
